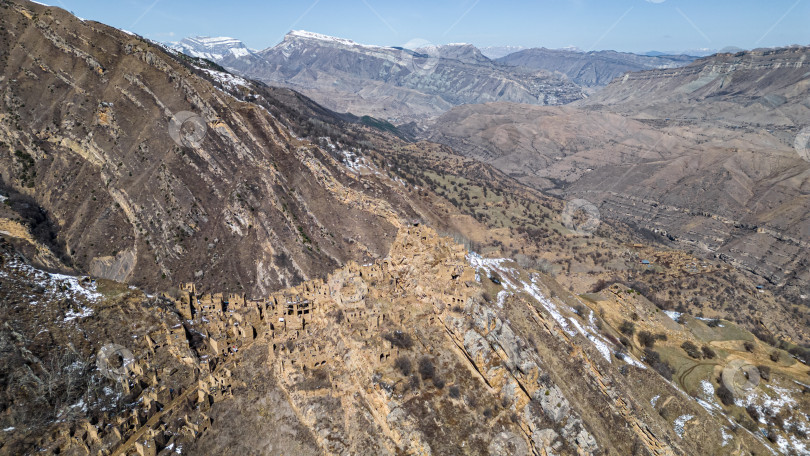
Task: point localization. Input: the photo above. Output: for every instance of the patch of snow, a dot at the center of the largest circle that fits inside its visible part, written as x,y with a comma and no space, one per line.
81,405
707,387
84,312
655,399
799,446
502,295
535,293
775,398
597,342
56,285
720,325
8,429
726,437
355,163
3,198
707,400
706,405
783,444
629,359
781,398
226,79
674,315
680,422
240,52
75,286
510,281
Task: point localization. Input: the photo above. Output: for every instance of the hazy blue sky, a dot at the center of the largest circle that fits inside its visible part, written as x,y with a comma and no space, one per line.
627,25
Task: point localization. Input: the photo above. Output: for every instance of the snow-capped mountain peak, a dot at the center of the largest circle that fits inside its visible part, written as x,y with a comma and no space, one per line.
324,38
212,48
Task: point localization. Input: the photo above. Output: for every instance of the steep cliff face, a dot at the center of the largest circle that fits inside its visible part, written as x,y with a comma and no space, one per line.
154,171
397,84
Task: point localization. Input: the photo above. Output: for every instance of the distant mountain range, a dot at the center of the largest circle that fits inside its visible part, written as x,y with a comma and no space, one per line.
591,69
760,88
397,84
403,85
496,52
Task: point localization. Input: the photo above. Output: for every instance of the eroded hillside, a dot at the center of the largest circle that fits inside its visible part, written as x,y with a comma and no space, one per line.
431,350
133,153
320,311
711,156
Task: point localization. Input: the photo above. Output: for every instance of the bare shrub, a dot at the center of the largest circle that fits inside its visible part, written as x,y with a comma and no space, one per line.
627,328
646,339
426,368
403,363
399,339
691,350
725,395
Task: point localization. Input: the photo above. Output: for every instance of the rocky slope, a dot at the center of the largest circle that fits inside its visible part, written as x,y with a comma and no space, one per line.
428,351
320,311
157,168
396,84
708,155
591,69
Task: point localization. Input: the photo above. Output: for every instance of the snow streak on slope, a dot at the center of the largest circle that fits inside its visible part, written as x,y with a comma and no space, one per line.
57,286
509,278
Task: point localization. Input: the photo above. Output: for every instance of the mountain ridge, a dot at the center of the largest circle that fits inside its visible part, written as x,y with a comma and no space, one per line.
593,68
393,83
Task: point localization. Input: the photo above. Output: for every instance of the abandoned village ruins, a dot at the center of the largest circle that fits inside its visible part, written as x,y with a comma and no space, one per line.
287,317
425,287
